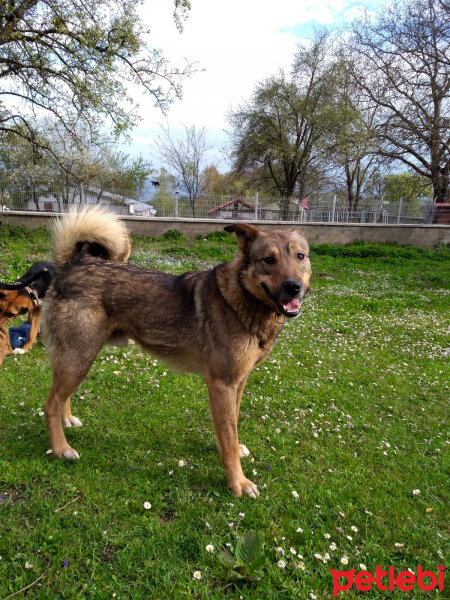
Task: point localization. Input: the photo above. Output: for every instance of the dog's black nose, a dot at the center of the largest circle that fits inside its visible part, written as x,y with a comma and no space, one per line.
292,287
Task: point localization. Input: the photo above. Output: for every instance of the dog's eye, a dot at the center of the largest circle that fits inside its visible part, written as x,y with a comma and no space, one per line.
300,256
269,260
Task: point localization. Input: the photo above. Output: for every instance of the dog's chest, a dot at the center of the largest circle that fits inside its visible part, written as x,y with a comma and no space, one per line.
262,347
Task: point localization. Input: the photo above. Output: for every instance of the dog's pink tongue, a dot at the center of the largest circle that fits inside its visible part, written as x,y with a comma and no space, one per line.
292,305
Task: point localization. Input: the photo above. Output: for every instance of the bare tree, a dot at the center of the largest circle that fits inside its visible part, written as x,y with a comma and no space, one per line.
185,157
401,64
353,145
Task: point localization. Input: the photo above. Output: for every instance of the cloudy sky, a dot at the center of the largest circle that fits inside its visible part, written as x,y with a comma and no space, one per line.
235,43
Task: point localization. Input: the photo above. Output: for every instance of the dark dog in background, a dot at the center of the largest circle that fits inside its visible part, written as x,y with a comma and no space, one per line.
24,296
218,324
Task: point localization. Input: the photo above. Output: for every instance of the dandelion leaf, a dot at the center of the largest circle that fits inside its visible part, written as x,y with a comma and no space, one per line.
247,547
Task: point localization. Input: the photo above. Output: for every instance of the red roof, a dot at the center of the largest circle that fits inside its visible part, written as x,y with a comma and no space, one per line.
234,203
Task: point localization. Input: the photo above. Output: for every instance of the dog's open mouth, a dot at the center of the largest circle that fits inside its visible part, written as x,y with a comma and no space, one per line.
289,308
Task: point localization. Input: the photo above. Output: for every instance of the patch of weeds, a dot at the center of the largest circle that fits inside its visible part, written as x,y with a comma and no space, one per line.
245,559
174,235
219,236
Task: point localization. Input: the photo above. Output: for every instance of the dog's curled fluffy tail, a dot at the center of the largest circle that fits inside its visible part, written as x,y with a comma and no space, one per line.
93,230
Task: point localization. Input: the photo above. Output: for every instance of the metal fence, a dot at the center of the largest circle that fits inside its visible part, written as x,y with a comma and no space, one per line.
317,208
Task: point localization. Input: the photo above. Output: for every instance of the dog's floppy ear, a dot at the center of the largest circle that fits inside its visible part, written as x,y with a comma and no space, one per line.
246,234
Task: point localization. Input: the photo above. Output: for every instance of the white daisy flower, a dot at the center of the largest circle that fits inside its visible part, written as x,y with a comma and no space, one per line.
197,575
344,560
295,494
299,530
181,463
293,550
147,505
279,549
416,492
353,528
281,564
362,566
327,536
209,548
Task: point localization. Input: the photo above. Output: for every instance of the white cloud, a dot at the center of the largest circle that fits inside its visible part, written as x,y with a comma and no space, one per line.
237,43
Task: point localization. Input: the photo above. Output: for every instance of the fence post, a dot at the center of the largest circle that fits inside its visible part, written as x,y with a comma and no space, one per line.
256,206
400,204
333,210
176,204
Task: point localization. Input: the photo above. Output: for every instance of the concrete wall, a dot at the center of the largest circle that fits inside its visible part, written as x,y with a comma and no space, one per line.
319,233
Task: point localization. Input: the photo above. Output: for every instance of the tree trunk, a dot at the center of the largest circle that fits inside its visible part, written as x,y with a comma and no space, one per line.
440,180
192,203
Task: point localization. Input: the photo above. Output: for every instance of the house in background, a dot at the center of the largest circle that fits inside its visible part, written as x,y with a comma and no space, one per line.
42,199
233,209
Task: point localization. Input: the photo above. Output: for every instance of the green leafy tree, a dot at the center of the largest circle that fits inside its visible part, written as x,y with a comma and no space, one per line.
73,60
410,187
78,165
277,136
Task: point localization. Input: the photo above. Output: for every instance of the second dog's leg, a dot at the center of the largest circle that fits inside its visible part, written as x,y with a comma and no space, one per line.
35,323
223,400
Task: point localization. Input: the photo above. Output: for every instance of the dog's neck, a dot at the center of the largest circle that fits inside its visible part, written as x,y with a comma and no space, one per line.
34,296
255,316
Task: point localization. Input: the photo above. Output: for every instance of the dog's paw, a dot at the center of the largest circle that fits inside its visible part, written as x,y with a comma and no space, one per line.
66,452
243,451
71,454
245,487
72,422
19,351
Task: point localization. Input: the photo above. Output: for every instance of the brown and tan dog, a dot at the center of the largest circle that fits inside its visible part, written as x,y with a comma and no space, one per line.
24,296
219,324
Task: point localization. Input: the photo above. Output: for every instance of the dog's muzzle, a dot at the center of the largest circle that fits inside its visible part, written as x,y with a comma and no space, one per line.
289,299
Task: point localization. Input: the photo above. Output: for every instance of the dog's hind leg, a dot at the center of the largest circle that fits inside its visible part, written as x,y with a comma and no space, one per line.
68,419
67,376
54,408
223,402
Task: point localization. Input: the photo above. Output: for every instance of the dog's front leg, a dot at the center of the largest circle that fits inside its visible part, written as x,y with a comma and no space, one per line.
223,398
35,322
5,346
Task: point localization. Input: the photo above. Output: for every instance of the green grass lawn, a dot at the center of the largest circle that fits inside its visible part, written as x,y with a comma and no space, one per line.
345,420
